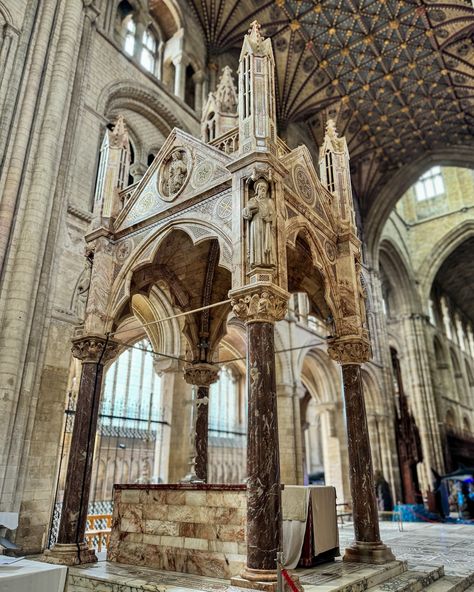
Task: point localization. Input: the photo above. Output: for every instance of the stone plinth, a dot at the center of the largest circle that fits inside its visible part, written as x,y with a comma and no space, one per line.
188,528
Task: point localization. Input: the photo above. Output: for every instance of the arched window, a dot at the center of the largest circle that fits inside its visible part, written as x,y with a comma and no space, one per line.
224,402
129,38
190,87
430,184
149,51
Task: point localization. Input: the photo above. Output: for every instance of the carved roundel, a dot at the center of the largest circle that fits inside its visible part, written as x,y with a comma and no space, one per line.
303,184
144,205
224,208
123,250
174,173
330,251
202,174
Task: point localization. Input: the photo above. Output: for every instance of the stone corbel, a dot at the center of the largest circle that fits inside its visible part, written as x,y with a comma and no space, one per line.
349,351
201,374
94,348
265,303
91,11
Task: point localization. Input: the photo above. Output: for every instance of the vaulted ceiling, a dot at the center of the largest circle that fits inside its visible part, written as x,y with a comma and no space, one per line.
398,76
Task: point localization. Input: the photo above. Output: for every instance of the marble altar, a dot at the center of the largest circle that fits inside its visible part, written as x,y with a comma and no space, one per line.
192,528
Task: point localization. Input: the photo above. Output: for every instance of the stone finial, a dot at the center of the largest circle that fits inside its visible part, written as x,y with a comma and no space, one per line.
331,128
255,42
226,92
254,32
119,135
332,138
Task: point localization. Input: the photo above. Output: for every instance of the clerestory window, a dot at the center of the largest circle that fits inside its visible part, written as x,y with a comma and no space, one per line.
130,32
430,184
149,51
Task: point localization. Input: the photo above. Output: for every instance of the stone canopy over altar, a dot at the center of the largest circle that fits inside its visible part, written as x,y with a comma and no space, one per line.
227,226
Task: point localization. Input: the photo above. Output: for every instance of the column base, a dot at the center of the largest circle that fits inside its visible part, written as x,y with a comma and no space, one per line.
361,552
70,554
262,579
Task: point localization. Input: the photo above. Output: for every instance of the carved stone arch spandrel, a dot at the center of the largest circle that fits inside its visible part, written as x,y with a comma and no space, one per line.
145,253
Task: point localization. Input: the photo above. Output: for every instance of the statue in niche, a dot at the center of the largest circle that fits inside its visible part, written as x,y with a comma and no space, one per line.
81,292
260,212
177,172
362,292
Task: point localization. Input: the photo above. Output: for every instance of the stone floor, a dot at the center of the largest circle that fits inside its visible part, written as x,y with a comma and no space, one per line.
423,547
451,545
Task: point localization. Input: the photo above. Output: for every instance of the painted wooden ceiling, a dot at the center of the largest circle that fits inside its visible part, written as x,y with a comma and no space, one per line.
398,76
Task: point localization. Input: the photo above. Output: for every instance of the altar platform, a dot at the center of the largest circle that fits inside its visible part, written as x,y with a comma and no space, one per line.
423,550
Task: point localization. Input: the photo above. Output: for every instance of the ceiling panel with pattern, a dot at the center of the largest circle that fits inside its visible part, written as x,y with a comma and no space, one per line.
397,76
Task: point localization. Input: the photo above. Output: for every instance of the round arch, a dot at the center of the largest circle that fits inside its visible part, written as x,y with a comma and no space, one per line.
142,99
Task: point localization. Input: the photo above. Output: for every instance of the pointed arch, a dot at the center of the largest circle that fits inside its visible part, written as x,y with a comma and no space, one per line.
398,184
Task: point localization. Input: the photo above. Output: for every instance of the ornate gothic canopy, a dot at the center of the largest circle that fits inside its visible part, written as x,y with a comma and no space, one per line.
397,76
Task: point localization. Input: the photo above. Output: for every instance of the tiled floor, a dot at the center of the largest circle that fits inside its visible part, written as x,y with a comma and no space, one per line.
423,546
451,545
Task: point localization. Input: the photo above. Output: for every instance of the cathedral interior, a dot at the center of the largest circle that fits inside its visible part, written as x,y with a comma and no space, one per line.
236,294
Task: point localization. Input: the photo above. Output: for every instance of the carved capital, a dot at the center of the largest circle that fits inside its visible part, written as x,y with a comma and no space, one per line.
201,374
94,348
349,351
264,303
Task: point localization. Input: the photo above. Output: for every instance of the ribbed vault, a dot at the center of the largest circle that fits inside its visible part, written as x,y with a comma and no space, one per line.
397,75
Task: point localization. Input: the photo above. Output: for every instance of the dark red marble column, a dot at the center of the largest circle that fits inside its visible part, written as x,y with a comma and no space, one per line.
71,548
367,547
202,433
79,471
201,375
263,458
260,305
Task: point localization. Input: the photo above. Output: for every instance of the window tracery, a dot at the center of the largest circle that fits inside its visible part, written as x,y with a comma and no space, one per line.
430,184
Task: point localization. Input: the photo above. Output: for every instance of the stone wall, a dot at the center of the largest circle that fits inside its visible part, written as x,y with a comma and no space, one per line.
198,529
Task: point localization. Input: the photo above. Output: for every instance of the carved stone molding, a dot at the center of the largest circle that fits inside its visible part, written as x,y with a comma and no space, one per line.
201,374
264,303
90,348
350,351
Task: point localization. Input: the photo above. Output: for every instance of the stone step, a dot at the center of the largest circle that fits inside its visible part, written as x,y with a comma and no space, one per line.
348,577
411,580
451,584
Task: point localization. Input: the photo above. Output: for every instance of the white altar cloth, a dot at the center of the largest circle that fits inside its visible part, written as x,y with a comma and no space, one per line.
32,576
295,502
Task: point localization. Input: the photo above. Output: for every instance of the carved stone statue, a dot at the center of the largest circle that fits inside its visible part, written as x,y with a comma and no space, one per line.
260,212
177,172
81,292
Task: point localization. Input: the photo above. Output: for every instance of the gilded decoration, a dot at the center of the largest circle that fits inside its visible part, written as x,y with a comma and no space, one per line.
174,173
260,303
